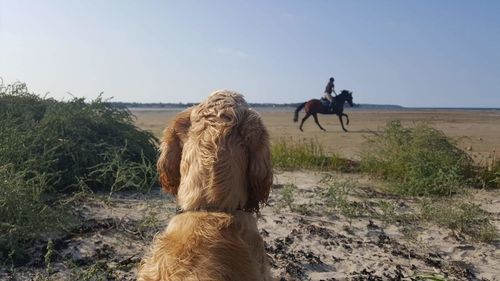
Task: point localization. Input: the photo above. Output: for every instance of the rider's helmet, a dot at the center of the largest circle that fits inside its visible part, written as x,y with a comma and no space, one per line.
331,79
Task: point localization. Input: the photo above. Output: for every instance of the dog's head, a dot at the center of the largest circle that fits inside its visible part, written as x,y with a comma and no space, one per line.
216,155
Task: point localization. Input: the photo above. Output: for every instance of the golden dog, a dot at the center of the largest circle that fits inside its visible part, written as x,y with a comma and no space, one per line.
215,159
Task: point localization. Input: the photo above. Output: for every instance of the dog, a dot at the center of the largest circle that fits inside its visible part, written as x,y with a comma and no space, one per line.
215,160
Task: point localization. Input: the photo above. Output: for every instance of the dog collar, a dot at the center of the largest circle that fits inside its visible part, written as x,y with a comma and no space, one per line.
179,210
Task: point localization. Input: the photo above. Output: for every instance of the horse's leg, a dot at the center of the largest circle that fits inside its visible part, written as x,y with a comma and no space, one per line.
316,120
303,120
342,123
343,114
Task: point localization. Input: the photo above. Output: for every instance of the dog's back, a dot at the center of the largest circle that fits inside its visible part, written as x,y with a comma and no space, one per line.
208,246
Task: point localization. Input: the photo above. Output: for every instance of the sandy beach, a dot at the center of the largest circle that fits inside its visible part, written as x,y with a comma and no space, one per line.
308,241
477,131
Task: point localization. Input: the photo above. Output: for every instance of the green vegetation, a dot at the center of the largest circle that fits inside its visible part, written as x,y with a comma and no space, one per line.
417,160
456,214
73,143
489,176
406,218
25,215
305,154
287,197
422,161
49,149
429,277
463,217
335,197
99,271
392,213
48,256
149,224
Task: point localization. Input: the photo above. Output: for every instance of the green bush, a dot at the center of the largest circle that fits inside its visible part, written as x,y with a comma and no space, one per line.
417,160
74,141
49,149
305,154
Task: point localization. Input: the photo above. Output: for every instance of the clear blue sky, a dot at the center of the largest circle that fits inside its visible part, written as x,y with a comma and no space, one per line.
413,53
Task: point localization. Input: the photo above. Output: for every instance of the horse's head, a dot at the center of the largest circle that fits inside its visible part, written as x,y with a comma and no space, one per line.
347,96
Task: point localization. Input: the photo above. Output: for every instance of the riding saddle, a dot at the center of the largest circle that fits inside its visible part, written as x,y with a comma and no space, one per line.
326,103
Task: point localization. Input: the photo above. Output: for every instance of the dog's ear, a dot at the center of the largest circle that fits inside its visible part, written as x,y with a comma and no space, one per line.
260,172
168,164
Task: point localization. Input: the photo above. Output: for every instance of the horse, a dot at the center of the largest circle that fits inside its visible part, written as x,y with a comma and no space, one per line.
315,106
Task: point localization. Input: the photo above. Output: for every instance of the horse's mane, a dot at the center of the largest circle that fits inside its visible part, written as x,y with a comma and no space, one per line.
345,92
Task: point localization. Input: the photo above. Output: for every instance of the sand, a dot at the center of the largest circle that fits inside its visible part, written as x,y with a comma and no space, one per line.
326,245
477,131
318,244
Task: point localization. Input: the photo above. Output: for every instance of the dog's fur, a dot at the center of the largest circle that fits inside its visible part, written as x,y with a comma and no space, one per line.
215,159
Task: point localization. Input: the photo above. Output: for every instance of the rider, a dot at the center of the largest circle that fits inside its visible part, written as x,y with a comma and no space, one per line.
330,87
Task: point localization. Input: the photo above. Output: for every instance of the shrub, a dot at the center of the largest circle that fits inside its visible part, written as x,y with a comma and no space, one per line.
49,149
305,154
73,141
417,160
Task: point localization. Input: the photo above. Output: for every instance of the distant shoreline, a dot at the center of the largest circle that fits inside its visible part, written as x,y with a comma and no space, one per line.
347,108
286,106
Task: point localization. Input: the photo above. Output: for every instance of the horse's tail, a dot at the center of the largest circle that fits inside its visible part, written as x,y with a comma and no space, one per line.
296,115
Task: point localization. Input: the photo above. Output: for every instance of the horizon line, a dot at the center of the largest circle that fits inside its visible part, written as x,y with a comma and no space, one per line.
289,104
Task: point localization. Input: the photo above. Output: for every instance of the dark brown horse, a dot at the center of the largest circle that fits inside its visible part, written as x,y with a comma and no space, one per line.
315,106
